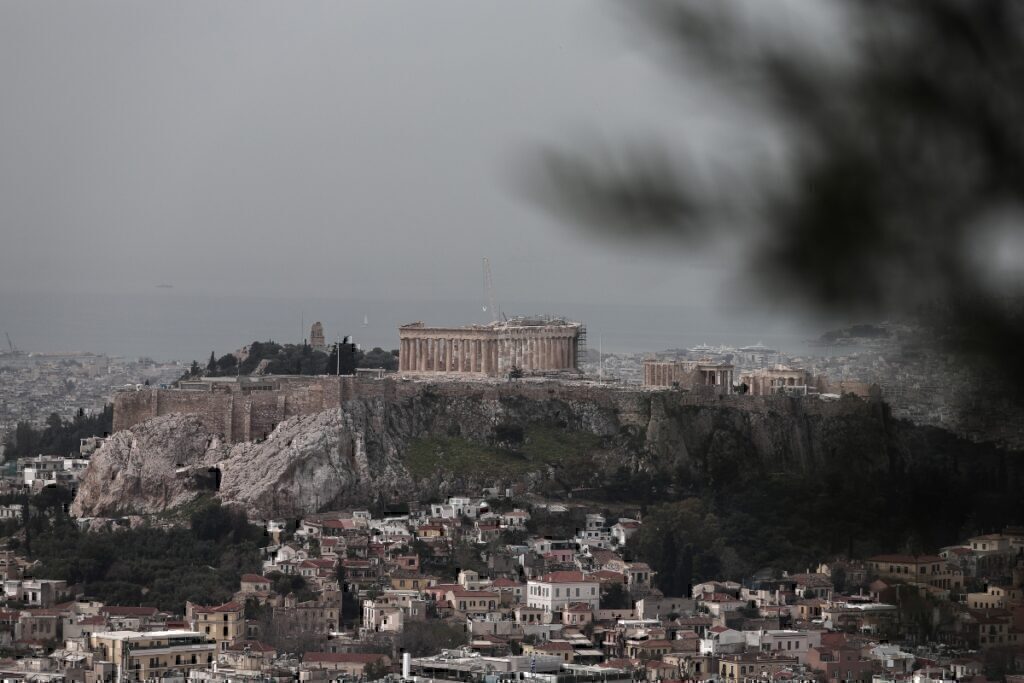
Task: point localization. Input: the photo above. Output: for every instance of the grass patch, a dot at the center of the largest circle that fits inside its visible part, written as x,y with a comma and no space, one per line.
542,447
428,455
559,447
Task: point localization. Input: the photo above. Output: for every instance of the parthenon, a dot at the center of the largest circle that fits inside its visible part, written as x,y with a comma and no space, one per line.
532,344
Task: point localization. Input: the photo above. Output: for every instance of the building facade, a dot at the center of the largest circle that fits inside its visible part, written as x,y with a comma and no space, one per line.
140,656
552,592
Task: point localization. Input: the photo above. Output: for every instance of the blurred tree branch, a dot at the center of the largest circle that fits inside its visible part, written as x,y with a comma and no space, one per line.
906,148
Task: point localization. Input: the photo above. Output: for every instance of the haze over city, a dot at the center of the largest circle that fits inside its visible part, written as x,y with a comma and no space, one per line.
332,160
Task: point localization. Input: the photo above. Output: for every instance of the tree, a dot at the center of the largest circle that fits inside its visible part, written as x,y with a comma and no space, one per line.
211,365
616,597
422,638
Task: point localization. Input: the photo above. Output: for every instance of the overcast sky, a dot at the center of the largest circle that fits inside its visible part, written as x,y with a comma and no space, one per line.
360,147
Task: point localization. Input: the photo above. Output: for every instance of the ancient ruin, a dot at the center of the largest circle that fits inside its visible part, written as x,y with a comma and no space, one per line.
535,345
705,375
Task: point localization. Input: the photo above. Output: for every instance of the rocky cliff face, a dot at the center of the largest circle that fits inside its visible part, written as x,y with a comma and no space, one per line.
436,440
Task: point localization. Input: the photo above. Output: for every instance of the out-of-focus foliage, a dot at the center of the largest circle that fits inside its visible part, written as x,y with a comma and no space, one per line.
901,191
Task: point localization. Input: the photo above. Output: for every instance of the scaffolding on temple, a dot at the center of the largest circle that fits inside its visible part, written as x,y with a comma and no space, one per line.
581,345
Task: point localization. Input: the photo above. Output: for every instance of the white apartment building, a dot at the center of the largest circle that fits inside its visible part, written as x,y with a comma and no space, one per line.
554,591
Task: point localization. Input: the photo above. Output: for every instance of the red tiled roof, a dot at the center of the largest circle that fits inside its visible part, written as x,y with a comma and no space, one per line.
555,646
651,644
226,607
255,578
253,645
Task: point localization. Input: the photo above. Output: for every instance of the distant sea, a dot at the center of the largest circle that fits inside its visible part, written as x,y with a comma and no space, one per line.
167,324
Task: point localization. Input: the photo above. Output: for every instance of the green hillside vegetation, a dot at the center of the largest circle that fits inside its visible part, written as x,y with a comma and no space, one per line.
59,436
292,359
163,567
514,451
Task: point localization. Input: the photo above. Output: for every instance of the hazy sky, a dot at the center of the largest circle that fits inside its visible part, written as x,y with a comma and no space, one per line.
358,148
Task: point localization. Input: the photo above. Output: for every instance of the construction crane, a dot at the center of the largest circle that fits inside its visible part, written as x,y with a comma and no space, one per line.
490,306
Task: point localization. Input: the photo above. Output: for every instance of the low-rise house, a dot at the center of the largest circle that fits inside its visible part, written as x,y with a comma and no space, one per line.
864,617
248,655
254,584
892,659
717,604
410,580
622,530
352,664
719,640
128,618
141,656
472,602
994,597
638,575
664,606
320,616
753,666
647,649
515,520
36,592
840,663
552,648
577,614
788,642
224,623
511,591
41,625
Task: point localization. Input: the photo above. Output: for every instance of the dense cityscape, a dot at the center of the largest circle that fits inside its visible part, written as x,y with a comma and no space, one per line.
533,342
